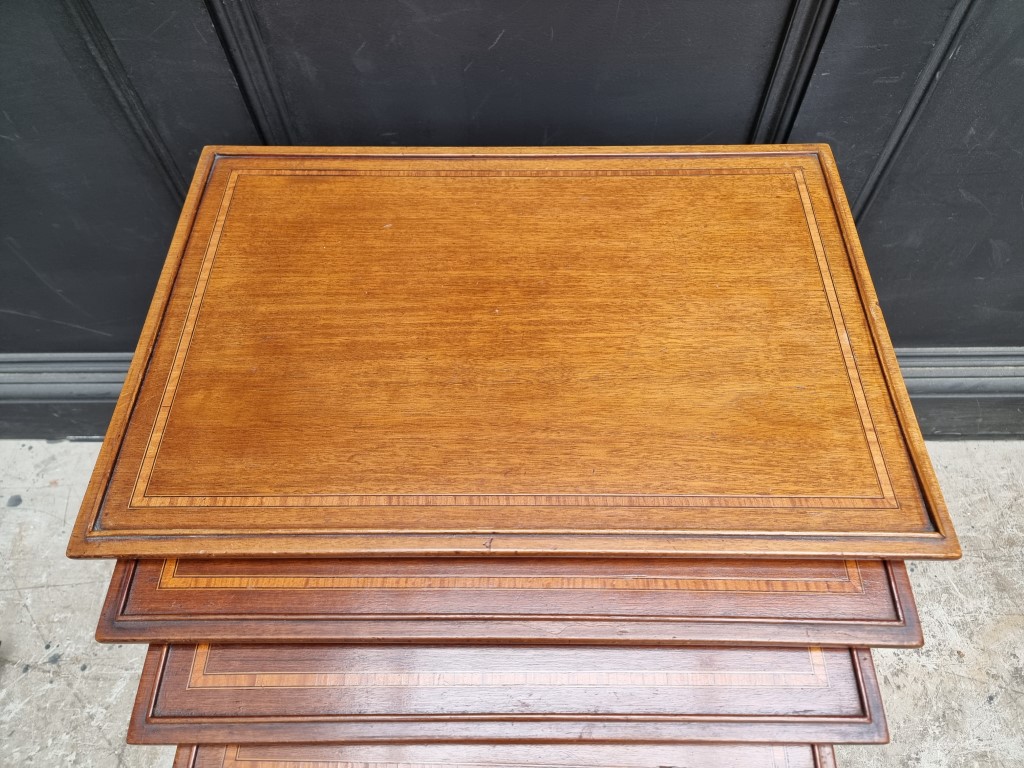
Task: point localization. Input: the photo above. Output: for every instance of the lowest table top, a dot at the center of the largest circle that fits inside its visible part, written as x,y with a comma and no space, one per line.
515,351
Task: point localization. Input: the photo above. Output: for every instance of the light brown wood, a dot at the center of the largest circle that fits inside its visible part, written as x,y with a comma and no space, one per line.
393,694
513,600
505,756
515,351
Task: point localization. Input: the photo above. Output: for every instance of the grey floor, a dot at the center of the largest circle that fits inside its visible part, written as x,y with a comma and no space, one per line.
958,702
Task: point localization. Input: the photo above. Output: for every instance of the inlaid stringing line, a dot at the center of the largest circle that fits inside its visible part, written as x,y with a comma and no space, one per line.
870,434
195,305
170,578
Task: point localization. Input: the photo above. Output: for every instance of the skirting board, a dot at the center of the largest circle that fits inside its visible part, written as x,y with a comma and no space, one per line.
958,392
966,392
59,396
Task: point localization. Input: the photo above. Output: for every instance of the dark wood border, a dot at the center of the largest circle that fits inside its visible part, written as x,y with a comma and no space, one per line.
421,756
869,728
188,624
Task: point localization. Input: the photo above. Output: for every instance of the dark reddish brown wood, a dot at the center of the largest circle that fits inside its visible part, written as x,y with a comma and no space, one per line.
525,351
521,600
505,756
337,693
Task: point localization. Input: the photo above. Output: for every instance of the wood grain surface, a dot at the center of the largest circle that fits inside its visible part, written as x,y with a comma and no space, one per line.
506,756
225,694
512,600
515,351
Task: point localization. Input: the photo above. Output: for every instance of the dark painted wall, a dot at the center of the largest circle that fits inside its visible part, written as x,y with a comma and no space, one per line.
923,103
104,105
946,226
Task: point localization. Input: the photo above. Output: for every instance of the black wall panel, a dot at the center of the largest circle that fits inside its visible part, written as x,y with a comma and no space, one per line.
945,229
105,104
535,72
873,57
84,210
105,107
174,60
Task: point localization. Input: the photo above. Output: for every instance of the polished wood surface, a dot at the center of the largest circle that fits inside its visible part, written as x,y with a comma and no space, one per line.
506,756
525,600
514,351
331,693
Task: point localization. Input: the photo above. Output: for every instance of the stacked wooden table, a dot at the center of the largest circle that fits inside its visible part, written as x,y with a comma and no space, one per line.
512,457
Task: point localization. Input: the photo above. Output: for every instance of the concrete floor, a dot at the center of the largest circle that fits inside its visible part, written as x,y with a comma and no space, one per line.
957,703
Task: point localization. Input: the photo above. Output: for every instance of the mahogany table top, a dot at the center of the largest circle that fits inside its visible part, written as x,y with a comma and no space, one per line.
512,600
505,756
238,694
589,351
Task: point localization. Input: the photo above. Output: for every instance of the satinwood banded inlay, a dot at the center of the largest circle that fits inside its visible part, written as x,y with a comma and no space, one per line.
848,579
